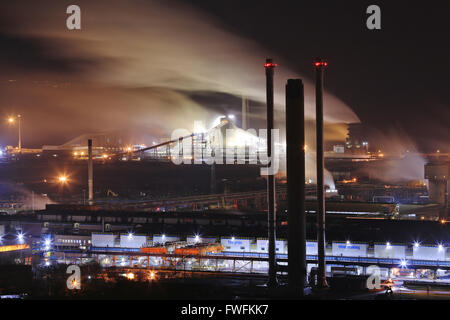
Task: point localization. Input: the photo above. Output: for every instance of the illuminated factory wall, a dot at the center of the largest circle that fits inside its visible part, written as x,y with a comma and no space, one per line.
389,251
311,248
429,253
236,245
132,241
280,246
193,239
103,240
349,249
160,238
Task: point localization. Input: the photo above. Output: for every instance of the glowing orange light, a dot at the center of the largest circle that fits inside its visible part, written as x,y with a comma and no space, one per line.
130,276
62,179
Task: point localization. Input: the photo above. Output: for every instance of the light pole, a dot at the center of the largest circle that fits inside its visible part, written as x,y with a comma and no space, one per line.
62,181
11,120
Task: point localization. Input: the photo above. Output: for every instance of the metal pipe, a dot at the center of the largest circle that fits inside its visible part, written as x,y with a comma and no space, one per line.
295,162
271,201
322,281
90,174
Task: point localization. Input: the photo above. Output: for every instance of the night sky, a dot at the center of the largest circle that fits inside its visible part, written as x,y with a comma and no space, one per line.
395,79
154,66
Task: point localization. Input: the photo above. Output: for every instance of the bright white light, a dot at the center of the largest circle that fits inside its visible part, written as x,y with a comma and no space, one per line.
130,236
232,238
216,121
47,263
197,238
440,247
416,244
47,242
20,237
231,116
403,263
388,245
348,242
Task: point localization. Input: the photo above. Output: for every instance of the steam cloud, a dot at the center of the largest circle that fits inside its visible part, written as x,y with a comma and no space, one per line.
129,64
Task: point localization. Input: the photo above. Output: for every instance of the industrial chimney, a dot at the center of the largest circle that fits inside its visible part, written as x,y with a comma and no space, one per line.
90,173
271,201
320,65
244,113
295,161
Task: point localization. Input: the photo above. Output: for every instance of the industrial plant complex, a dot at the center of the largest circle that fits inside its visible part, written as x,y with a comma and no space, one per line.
175,159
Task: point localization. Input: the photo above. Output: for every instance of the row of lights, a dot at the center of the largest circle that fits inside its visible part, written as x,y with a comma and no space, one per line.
197,237
416,245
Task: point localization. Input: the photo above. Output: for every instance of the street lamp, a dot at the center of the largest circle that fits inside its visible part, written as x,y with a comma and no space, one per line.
11,120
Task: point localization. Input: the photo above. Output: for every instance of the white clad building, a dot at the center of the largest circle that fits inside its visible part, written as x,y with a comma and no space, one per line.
422,252
348,249
236,244
389,250
132,241
103,240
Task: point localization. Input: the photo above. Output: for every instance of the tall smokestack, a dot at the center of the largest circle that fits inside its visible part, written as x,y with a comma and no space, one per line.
295,160
322,280
244,113
90,173
271,201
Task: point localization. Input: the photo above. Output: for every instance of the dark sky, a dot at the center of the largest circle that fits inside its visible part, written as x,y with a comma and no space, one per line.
395,78
140,64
